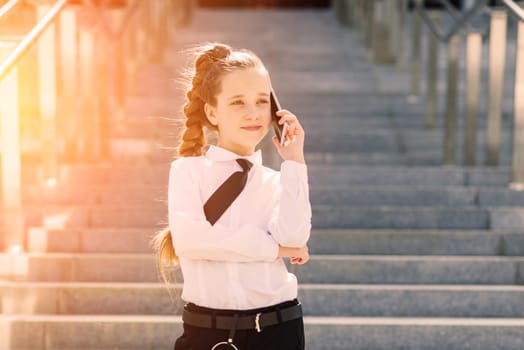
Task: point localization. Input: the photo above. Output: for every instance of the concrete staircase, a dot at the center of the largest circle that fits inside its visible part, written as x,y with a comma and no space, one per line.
406,254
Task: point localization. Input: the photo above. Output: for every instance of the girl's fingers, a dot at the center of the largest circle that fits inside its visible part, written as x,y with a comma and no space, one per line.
283,111
288,118
299,260
286,115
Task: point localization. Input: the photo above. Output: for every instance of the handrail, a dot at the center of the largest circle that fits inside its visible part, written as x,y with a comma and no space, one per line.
496,79
80,58
497,31
31,38
466,17
516,10
7,7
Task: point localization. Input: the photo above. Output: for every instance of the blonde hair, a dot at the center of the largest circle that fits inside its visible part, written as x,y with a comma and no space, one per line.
211,63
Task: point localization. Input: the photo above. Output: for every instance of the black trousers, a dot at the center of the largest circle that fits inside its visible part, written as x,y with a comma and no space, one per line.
283,336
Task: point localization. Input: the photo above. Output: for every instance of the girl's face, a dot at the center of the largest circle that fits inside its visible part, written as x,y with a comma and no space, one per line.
242,112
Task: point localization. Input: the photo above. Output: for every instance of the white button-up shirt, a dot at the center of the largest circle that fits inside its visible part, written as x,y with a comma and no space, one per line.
233,264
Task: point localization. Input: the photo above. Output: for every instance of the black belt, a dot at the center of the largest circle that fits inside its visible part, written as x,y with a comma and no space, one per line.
256,321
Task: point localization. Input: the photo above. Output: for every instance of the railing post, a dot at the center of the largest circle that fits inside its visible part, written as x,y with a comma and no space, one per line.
350,12
68,50
131,45
118,70
185,7
86,73
160,29
359,15
450,133
150,30
517,177
369,7
101,95
497,56
402,19
415,53
432,76
47,92
392,17
376,48
381,37
13,217
141,32
340,10
473,61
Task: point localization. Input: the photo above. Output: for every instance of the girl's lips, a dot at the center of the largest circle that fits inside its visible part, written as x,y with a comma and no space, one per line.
251,128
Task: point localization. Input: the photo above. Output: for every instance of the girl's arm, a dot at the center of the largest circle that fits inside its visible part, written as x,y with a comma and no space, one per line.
195,238
290,223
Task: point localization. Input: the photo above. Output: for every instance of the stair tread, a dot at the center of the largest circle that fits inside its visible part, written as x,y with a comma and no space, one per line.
302,286
309,320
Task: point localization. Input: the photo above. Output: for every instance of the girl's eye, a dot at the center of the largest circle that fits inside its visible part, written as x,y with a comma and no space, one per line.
263,101
237,102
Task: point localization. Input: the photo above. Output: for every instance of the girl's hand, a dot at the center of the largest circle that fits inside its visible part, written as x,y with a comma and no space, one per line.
298,261
293,148
298,255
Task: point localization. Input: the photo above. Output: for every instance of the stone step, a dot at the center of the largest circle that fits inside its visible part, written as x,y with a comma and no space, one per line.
434,140
315,158
332,175
361,101
322,333
96,194
417,242
329,216
408,176
361,148
411,300
395,196
338,269
410,270
318,300
322,241
356,146
154,216
165,153
361,142
413,333
355,126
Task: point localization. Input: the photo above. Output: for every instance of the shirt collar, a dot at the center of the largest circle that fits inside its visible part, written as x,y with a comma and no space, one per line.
223,155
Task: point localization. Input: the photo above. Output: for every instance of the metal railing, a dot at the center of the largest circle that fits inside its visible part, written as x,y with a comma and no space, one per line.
353,13
79,49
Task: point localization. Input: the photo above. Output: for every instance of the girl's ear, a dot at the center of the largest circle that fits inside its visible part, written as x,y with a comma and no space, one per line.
210,114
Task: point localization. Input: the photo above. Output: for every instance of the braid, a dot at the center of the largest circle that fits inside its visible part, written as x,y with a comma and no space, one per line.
203,88
193,137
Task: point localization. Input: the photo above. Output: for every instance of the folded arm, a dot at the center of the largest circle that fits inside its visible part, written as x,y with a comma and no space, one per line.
290,223
194,237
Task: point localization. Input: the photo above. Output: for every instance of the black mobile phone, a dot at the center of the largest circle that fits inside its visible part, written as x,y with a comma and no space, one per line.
280,129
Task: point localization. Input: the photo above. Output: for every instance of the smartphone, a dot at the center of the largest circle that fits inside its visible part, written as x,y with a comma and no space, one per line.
280,129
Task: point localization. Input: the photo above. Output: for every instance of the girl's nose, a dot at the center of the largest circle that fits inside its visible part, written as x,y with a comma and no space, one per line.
253,113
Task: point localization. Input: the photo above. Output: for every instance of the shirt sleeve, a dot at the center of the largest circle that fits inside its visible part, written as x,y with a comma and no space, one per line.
195,238
290,223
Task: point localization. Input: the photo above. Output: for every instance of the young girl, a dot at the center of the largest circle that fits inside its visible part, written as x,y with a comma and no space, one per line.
238,291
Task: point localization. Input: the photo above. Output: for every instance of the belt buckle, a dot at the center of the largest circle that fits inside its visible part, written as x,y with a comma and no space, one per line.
257,322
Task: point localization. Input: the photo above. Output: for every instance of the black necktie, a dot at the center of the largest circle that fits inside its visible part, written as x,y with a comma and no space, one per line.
222,198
